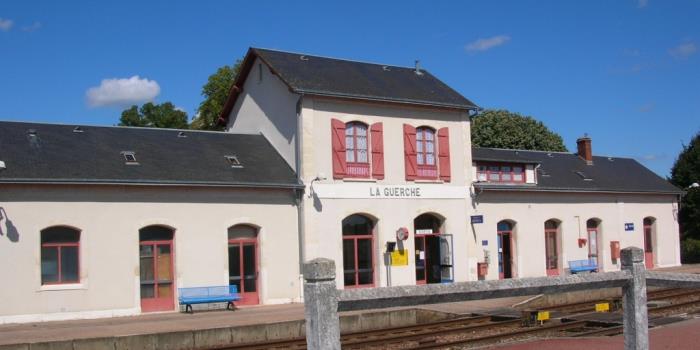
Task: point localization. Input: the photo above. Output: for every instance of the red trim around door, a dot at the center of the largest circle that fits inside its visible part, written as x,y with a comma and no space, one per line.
248,297
163,289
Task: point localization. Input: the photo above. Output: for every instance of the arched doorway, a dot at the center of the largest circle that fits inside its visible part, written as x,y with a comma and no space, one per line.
358,250
593,229
157,265
243,262
505,249
551,244
433,250
649,234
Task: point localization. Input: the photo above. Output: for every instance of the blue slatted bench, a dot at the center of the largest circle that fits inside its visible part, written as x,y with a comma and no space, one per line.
585,265
205,295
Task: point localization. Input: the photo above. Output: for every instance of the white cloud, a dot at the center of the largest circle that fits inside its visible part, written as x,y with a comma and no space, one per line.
483,44
642,3
32,28
122,92
6,24
683,51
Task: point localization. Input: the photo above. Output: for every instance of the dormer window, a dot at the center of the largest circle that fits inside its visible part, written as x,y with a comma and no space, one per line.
129,157
500,172
233,161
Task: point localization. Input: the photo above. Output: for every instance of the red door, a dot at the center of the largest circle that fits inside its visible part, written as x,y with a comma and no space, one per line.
243,269
593,246
648,248
156,265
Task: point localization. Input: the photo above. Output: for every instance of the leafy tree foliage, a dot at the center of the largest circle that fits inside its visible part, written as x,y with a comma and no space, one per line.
164,115
685,172
504,129
215,92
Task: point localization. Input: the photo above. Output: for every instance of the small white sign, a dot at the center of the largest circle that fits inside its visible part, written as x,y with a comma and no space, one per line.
424,231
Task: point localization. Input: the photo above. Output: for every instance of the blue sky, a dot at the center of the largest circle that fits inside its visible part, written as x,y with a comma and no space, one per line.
626,72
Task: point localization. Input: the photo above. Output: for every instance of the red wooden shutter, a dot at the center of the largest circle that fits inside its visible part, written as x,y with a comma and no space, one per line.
409,150
444,153
377,131
338,141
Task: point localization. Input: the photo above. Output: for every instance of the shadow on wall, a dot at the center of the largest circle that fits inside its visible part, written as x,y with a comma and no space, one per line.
10,228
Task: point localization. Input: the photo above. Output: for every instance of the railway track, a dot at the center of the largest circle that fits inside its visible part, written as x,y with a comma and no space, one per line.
483,330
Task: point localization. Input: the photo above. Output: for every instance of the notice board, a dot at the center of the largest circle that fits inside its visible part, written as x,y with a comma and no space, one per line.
399,257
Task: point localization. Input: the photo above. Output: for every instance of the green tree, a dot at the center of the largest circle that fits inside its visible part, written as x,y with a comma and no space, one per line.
504,129
685,172
164,115
215,93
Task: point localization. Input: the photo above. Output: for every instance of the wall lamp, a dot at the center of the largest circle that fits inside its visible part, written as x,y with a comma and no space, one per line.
319,177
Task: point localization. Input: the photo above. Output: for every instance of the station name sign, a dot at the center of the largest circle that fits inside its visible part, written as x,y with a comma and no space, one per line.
395,191
404,191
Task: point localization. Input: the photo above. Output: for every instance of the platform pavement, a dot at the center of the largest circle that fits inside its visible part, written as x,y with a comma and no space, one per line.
175,321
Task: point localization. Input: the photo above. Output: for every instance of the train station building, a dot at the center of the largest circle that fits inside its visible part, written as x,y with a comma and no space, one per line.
369,165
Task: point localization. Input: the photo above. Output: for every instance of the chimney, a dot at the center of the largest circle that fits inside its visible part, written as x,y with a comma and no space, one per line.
584,149
417,70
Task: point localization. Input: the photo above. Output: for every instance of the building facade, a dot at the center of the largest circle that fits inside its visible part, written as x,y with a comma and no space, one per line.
370,165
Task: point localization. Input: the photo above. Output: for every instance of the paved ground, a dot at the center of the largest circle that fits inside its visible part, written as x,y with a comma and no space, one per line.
676,336
170,322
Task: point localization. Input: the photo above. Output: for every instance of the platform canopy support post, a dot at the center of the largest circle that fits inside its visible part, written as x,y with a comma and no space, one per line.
321,305
634,300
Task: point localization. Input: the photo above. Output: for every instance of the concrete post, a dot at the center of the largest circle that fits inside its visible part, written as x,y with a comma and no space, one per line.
634,299
321,305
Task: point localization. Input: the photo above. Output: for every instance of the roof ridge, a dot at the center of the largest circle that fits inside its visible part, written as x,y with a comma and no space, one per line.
522,150
338,59
123,127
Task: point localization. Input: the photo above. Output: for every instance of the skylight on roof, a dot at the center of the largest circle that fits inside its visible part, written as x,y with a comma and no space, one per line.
583,176
129,157
233,161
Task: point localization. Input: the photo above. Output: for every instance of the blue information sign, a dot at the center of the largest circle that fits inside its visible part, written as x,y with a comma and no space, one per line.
485,243
477,219
629,226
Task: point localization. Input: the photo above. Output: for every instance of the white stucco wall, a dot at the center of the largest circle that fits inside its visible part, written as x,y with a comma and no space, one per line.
529,210
267,106
110,218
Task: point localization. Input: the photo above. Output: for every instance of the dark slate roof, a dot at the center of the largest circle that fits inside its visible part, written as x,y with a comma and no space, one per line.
57,154
316,75
557,172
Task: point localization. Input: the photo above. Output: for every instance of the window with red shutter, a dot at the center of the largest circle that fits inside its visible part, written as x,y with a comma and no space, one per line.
409,148
338,144
444,153
425,153
356,152
377,141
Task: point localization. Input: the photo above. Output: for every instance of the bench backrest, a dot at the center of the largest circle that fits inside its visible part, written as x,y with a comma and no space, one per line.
207,291
583,263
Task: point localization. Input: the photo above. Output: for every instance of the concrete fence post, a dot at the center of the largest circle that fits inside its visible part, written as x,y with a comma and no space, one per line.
634,300
321,305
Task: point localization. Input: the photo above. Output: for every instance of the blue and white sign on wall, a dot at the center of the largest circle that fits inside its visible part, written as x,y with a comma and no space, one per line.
629,226
477,219
484,242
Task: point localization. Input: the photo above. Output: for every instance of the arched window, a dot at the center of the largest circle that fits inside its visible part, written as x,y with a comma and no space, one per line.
505,249
425,152
60,255
551,239
649,233
243,262
358,243
356,149
593,229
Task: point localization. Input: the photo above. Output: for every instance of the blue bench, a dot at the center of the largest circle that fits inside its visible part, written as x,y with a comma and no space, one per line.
205,295
585,265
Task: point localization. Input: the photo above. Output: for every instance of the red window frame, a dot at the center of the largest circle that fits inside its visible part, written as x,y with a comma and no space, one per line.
355,239
488,172
426,171
59,247
551,233
357,169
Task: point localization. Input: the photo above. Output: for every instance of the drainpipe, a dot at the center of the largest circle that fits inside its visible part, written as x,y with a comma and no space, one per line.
301,224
